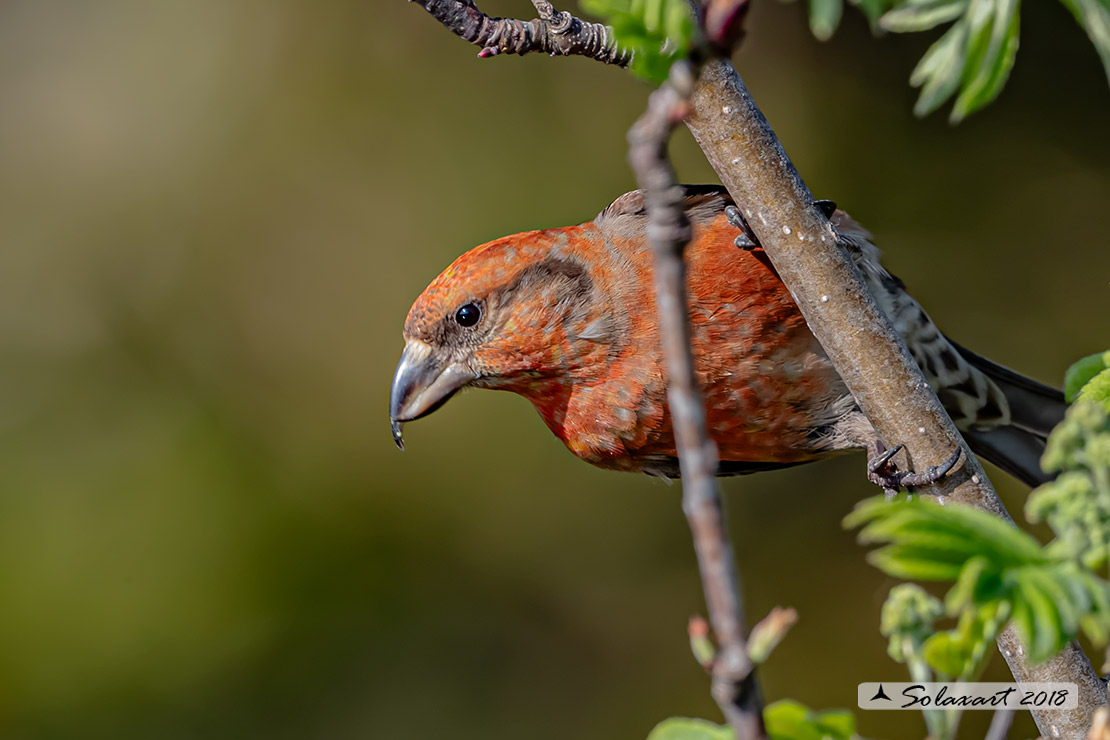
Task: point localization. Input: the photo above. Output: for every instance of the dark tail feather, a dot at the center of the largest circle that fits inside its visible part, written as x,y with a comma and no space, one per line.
1014,450
1035,409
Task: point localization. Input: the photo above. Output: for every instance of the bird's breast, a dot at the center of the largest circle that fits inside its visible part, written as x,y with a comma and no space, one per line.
768,386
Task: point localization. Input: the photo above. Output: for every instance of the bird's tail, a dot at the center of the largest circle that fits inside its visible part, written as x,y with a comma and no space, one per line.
1035,409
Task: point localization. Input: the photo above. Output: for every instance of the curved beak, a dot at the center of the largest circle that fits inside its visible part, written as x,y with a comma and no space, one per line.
422,383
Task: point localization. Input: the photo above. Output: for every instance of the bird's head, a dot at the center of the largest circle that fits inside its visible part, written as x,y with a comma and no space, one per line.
520,313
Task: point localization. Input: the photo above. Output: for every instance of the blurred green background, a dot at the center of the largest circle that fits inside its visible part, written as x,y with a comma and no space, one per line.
214,216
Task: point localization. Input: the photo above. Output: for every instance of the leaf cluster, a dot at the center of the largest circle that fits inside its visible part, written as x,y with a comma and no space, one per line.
659,32
973,58
1077,504
999,574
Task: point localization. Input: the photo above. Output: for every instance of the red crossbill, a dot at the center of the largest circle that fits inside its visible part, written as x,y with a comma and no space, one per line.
567,318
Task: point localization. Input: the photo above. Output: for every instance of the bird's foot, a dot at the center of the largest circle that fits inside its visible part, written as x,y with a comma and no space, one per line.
746,240
882,472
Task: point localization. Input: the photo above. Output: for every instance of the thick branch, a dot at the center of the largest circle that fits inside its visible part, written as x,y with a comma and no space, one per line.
554,33
859,339
734,684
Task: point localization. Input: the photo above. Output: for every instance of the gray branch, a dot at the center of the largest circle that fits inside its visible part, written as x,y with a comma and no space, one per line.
734,685
554,33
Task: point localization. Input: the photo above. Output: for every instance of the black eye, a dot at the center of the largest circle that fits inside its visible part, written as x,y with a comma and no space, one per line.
468,315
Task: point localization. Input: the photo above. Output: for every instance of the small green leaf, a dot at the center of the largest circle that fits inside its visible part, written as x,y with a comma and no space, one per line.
789,720
839,724
658,32
824,17
785,720
1066,602
963,594
944,534
1023,621
915,564
686,728
1097,390
994,64
768,633
938,73
1082,371
1045,631
961,653
921,15
946,654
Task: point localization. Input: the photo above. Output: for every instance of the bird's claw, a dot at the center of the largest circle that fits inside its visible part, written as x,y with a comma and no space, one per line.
882,457
933,473
827,207
746,240
882,473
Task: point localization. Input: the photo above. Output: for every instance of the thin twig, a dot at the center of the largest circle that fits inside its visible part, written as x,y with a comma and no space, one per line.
1000,725
859,339
733,685
555,33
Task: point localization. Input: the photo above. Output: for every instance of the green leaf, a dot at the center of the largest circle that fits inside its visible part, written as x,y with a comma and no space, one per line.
961,653
1082,371
921,15
1050,604
838,724
964,592
785,720
768,633
658,32
994,62
1045,629
938,73
946,534
915,564
824,17
1096,624
998,570
946,653
1097,390
789,720
685,728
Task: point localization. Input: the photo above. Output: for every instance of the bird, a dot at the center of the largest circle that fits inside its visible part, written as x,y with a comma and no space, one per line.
567,318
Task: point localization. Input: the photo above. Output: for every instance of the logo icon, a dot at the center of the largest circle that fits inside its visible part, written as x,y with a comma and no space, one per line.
880,694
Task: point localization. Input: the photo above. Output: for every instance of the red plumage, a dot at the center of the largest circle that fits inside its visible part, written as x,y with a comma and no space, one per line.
567,318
